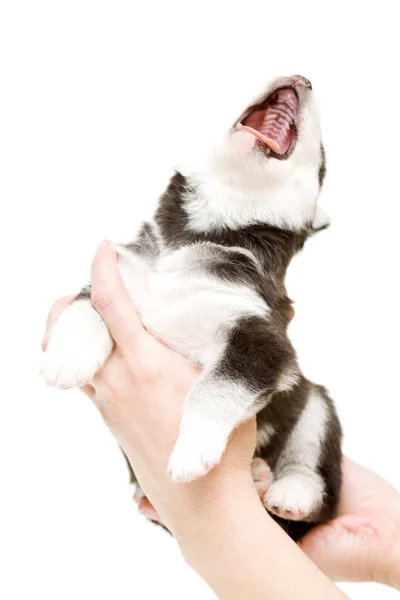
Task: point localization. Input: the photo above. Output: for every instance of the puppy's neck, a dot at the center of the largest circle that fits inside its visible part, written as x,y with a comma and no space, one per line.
186,215
222,198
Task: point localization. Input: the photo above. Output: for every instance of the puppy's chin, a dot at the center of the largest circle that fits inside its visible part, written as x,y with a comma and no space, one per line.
241,143
237,158
230,154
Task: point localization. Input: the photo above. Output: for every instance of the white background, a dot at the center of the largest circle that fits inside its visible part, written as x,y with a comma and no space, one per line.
98,101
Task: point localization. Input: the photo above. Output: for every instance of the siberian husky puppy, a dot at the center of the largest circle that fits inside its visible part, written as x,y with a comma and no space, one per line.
211,266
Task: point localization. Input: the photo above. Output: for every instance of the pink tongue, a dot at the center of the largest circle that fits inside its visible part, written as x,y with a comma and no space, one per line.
266,140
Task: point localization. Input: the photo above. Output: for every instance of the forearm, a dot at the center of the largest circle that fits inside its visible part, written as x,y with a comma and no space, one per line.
242,553
391,571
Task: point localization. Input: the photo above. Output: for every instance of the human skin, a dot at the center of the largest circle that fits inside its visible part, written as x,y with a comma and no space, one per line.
222,529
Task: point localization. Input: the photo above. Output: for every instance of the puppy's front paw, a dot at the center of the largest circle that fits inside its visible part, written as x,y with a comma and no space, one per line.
297,497
78,347
197,450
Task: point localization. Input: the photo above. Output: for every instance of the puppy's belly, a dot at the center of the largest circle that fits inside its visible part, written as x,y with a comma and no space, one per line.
194,314
183,305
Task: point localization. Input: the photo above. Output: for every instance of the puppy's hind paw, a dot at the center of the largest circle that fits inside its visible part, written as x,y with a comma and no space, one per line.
296,497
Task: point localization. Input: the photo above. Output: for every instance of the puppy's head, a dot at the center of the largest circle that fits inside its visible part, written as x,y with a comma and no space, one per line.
271,163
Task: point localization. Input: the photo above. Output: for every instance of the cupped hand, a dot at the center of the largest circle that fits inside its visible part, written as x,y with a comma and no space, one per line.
140,393
363,542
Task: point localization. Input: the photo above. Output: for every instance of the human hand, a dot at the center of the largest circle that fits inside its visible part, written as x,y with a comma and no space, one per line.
143,378
363,542
140,392
218,520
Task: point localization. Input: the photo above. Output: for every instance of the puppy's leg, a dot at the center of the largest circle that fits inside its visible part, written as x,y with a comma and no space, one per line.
80,342
306,479
212,410
228,393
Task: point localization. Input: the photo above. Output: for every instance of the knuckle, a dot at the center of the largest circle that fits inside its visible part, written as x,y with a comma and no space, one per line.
147,371
109,399
101,299
111,410
108,376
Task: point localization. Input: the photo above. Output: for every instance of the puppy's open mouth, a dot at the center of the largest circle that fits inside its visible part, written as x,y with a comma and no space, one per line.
273,121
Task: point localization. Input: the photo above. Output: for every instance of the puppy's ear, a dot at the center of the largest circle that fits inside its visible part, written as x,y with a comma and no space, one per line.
321,221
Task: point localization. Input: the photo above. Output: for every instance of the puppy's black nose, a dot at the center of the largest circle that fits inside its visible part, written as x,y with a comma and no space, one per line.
302,80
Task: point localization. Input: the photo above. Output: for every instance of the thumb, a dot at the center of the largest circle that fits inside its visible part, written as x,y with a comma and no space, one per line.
111,300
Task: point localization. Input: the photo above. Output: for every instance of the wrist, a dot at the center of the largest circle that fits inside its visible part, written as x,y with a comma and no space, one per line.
391,568
240,552
205,505
209,535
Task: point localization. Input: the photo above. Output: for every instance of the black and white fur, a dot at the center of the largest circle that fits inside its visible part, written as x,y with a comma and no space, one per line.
211,266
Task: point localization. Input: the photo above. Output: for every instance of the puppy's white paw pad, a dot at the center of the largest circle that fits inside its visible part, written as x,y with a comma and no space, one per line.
195,454
296,497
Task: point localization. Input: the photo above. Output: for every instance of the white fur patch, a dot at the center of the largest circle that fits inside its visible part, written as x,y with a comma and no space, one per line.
247,253
189,310
304,444
212,410
288,380
298,490
79,345
264,434
220,203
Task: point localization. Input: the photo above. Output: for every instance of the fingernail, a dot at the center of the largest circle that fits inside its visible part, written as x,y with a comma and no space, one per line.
104,244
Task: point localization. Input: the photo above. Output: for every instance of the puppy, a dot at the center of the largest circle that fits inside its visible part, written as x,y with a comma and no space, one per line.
207,276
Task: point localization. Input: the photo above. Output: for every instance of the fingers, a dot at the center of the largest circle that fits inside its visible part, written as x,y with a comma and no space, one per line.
89,390
111,300
53,315
342,548
147,510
